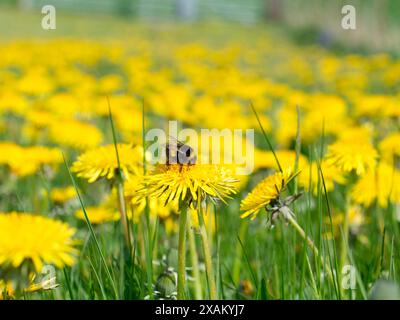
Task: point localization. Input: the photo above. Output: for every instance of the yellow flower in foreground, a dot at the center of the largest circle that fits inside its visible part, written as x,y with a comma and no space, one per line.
348,155
98,215
33,239
61,195
186,182
102,162
265,192
311,177
381,185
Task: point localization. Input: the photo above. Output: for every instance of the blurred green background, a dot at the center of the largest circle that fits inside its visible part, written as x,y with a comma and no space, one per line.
378,22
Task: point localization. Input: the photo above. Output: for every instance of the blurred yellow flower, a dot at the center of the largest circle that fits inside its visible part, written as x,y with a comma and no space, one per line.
356,133
70,134
325,112
61,195
381,185
13,102
351,155
390,146
35,82
24,161
266,159
356,219
208,216
372,105
311,177
98,215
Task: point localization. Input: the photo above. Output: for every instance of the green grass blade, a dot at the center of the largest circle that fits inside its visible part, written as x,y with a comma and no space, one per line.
266,136
93,235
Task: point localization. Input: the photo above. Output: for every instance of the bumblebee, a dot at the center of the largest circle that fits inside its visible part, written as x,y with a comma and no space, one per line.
177,152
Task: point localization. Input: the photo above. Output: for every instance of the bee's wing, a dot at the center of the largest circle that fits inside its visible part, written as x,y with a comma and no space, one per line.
175,141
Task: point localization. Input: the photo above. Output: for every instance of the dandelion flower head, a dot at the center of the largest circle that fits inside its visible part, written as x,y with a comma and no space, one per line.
102,162
265,192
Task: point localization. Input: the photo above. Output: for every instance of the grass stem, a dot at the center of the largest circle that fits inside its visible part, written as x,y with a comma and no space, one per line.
124,217
288,214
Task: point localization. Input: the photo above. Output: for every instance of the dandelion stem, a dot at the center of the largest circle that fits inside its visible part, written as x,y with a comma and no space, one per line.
207,255
182,254
198,294
301,232
124,217
288,214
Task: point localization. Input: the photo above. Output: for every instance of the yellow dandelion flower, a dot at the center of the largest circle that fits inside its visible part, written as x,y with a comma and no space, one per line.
61,195
39,118
6,290
323,109
265,192
110,83
381,185
266,159
208,218
178,182
350,155
24,161
287,120
356,218
8,150
372,105
355,214
310,176
35,82
98,215
390,146
132,187
35,240
357,133
64,104
13,102
102,162
171,225
70,134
